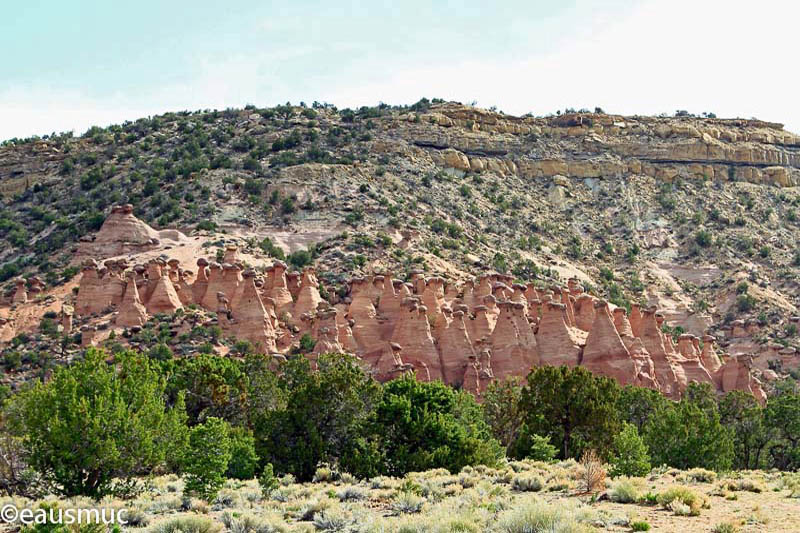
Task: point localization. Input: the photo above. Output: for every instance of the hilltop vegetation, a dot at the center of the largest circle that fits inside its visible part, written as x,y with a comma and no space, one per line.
363,180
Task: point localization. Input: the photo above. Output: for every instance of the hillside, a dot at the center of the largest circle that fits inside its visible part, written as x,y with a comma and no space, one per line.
696,216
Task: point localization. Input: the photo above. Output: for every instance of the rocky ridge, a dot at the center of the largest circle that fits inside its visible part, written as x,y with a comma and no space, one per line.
466,334
695,216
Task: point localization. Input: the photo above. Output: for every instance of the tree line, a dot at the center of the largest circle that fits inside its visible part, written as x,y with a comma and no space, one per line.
96,426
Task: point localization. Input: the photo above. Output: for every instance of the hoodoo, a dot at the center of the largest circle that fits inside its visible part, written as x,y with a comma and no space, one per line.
465,333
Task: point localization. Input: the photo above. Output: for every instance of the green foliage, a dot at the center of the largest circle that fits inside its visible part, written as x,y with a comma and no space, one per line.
740,412
703,238
429,425
690,434
502,411
243,462
532,446
300,258
207,457
631,458
782,414
160,352
271,249
206,225
307,343
267,480
637,405
745,303
324,418
573,407
213,386
93,421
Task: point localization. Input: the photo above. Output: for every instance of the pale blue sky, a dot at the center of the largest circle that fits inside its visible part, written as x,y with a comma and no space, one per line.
71,64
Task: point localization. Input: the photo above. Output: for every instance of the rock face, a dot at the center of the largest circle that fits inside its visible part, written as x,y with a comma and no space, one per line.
466,335
123,233
250,320
131,311
605,353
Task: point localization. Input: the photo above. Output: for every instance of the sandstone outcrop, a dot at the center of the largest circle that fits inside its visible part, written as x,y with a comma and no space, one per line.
464,334
131,311
123,233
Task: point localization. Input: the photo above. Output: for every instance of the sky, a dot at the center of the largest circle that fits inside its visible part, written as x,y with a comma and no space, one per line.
68,65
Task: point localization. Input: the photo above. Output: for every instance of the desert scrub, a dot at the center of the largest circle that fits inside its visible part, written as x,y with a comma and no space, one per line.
592,472
725,527
310,509
626,490
136,517
745,484
226,498
538,516
527,483
383,482
558,483
682,500
408,502
325,473
352,493
791,482
467,481
332,519
640,525
251,524
701,475
187,524
163,504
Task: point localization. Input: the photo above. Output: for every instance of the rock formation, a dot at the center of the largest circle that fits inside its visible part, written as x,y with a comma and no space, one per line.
464,334
131,311
123,233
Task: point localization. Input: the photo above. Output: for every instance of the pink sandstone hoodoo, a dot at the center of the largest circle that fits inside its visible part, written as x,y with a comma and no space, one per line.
466,334
467,346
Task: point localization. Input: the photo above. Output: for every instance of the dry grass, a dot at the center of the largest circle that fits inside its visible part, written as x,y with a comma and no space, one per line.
520,496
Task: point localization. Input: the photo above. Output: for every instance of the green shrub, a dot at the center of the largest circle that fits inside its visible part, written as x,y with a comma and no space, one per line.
267,480
407,502
703,238
307,343
300,258
626,490
640,525
526,482
243,454
631,458
92,422
207,458
206,225
684,496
